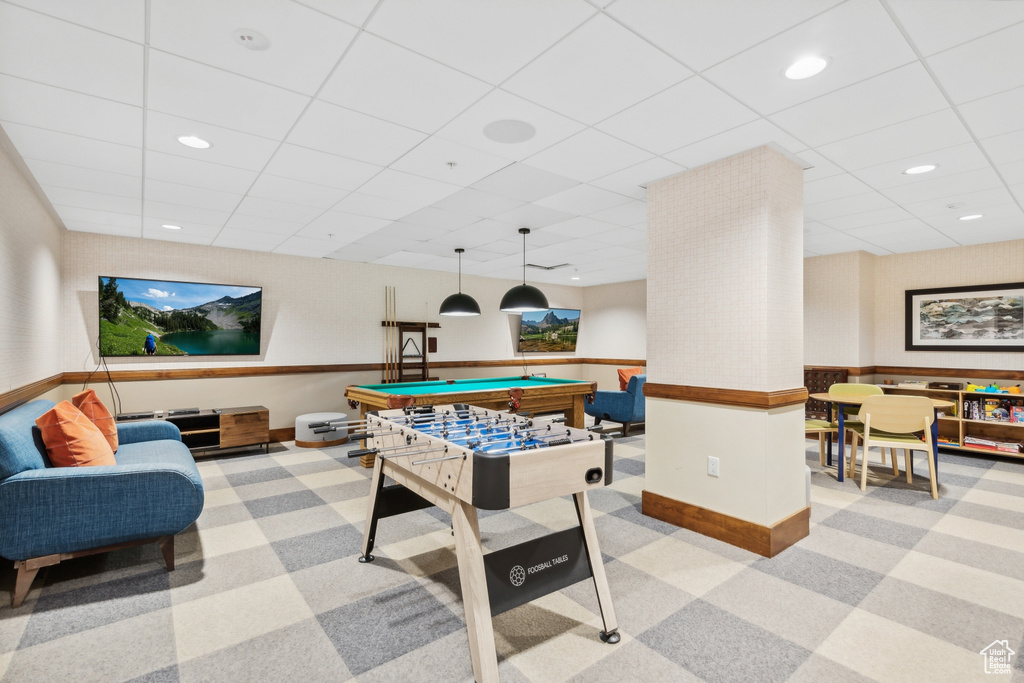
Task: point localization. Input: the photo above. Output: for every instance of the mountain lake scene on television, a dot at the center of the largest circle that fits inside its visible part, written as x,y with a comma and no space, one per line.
161,318
555,329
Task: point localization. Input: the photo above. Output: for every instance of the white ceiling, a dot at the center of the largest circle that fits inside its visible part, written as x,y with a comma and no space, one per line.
358,133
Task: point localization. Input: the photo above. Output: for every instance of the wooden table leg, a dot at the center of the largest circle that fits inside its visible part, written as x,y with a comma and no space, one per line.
604,596
365,460
574,415
470,555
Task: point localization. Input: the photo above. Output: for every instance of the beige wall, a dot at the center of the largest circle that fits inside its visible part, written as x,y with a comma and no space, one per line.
30,280
839,309
863,324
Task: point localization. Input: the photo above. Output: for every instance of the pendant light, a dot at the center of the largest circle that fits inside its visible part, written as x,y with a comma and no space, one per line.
524,298
460,304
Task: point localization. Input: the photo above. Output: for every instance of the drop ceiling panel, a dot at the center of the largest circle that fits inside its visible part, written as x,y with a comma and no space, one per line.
588,155
581,226
489,40
933,28
406,259
304,45
262,224
598,70
229,147
289,190
353,135
498,105
285,212
199,174
630,213
834,187
734,141
102,229
400,186
980,68
342,227
679,116
64,111
995,115
895,96
179,214
354,12
583,199
88,180
532,216
185,195
431,217
305,246
122,18
857,37
962,202
867,218
846,206
633,181
701,34
320,168
449,162
946,186
51,51
1005,149
901,140
983,234
362,204
477,203
117,220
950,161
838,242
74,150
93,200
523,182
195,235
196,91
391,83
475,235
248,239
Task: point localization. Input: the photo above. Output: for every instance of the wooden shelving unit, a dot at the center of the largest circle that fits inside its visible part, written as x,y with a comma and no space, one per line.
210,430
957,426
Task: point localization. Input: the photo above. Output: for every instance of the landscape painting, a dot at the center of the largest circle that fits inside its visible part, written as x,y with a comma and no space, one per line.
975,318
166,318
555,329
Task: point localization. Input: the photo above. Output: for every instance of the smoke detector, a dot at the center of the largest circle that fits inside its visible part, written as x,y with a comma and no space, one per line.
251,40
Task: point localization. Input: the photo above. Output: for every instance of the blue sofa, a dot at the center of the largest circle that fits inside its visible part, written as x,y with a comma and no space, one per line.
49,514
627,406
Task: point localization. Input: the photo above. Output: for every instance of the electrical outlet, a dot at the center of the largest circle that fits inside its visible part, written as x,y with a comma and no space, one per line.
712,466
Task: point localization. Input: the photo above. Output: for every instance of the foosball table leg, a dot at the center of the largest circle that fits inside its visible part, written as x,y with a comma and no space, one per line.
376,486
610,634
469,553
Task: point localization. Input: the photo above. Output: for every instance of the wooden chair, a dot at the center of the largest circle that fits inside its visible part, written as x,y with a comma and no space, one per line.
850,419
896,422
824,430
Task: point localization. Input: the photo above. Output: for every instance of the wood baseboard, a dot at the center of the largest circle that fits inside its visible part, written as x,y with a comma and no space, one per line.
766,541
282,434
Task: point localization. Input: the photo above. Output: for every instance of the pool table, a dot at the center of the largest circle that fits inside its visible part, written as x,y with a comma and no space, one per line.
540,394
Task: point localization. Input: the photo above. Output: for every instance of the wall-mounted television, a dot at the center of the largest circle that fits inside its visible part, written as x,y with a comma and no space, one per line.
167,318
554,330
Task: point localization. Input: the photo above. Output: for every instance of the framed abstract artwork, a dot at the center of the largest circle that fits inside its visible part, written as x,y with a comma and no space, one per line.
972,318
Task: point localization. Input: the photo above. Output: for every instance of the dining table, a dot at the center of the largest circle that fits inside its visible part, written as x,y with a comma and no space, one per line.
840,401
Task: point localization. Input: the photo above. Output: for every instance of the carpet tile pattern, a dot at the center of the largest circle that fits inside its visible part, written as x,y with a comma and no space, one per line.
889,586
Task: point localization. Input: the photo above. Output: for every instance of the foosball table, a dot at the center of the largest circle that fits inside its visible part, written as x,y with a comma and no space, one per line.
462,458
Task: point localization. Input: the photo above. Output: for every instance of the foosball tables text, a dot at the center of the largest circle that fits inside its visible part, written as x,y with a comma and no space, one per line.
461,458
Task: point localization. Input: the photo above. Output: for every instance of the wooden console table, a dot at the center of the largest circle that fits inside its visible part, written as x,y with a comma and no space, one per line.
224,428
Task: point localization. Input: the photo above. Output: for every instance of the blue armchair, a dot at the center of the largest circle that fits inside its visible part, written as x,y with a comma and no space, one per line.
49,514
626,406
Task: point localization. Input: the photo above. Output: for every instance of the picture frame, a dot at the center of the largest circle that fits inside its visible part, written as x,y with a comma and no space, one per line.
971,318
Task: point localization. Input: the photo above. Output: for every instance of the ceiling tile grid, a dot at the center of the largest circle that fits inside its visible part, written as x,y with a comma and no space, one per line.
392,132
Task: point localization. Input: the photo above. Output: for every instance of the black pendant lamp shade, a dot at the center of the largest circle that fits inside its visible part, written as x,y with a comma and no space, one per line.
460,304
524,298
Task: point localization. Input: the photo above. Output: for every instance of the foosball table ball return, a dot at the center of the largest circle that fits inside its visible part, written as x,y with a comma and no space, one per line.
462,458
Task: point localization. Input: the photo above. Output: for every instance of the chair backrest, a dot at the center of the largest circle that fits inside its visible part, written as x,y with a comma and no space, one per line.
636,388
898,414
850,389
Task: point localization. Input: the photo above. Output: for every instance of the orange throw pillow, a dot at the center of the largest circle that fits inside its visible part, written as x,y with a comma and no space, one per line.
71,439
625,374
93,408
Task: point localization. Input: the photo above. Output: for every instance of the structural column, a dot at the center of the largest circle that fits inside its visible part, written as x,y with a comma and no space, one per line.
725,351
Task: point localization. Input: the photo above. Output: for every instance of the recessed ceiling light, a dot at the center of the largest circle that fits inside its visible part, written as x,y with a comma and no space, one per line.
251,40
509,131
171,227
971,217
805,67
923,168
194,142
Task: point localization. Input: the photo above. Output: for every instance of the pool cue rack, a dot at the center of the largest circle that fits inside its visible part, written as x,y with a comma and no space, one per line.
400,337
